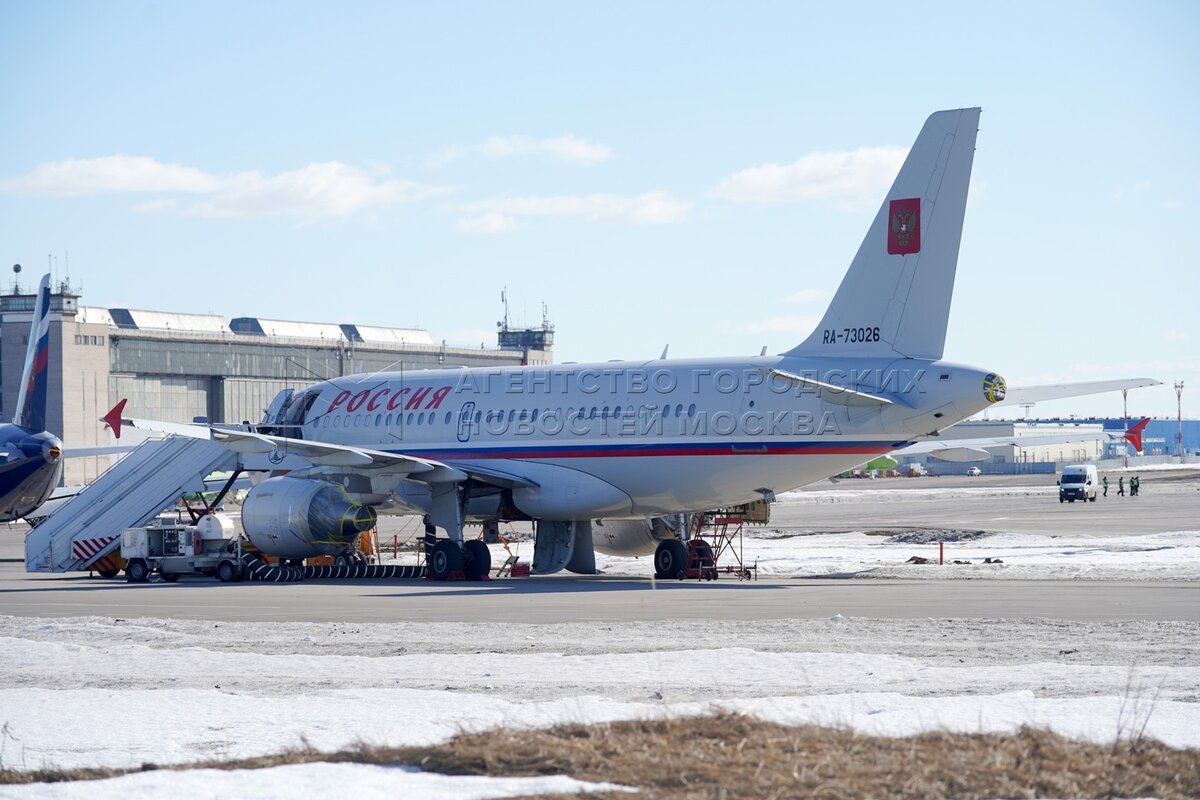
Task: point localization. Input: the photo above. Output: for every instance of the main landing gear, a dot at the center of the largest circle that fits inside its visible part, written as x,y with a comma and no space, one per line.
676,559
447,560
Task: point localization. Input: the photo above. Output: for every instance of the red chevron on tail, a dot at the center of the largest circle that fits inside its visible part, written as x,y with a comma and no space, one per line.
1134,434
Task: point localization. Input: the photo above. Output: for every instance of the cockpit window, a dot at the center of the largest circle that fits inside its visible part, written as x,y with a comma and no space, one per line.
291,415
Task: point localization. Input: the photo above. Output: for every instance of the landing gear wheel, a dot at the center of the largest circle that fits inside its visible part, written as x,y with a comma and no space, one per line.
477,560
227,572
109,573
171,577
670,559
445,558
342,560
136,571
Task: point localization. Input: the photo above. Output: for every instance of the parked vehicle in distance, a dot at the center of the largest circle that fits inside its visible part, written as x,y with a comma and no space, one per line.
974,472
1078,482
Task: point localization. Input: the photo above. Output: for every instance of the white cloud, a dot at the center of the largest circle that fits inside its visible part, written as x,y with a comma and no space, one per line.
1177,336
76,177
319,190
154,206
651,208
851,175
488,222
569,148
808,296
330,189
801,325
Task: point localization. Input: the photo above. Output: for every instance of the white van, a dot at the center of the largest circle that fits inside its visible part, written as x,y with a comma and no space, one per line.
1078,482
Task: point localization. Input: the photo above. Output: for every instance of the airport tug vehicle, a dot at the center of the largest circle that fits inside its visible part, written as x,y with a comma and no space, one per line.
173,549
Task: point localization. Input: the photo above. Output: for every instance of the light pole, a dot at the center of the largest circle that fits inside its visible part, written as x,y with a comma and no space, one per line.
1125,448
1179,419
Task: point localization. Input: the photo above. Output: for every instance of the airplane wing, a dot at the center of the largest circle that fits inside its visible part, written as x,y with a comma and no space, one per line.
325,453
1028,395
98,450
337,455
974,449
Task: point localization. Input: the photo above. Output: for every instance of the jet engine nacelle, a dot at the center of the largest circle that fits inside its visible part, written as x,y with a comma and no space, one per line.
565,494
632,537
301,517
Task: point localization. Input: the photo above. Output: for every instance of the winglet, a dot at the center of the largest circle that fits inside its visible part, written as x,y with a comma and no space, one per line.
113,418
1134,434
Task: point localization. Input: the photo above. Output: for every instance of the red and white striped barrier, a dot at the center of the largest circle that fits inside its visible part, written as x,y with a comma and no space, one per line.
90,548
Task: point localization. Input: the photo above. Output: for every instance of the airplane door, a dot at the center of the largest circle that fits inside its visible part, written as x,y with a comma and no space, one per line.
466,421
394,420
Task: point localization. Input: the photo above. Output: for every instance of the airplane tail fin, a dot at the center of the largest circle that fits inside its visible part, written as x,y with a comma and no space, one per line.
1134,434
31,399
895,298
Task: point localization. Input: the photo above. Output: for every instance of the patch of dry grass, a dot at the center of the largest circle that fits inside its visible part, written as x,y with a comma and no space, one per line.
729,756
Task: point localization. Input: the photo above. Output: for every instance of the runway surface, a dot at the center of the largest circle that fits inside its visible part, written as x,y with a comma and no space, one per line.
1009,504
580,599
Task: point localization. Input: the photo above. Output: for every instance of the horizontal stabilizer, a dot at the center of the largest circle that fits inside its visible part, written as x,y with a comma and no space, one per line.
1028,395
960,454
938,448
832,393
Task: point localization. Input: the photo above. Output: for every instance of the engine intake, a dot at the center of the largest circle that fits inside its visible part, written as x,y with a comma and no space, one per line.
301,517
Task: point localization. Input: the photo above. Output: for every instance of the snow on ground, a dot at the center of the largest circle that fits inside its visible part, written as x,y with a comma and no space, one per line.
113,692
360,781
777,554
1163,556
92,691
902,493
790,552
1190,466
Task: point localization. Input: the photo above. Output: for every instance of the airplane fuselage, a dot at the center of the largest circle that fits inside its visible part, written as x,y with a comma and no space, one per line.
628,438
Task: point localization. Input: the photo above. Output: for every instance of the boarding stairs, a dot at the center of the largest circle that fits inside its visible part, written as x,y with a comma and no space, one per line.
129,494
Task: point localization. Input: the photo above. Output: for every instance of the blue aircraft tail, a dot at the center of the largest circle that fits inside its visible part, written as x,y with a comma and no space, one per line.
31,401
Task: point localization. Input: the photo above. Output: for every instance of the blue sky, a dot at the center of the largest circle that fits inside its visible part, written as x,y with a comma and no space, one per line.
398,164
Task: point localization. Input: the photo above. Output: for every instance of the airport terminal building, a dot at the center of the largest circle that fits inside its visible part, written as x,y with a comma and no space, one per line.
178,367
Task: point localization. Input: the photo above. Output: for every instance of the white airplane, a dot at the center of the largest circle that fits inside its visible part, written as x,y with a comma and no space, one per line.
635,444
